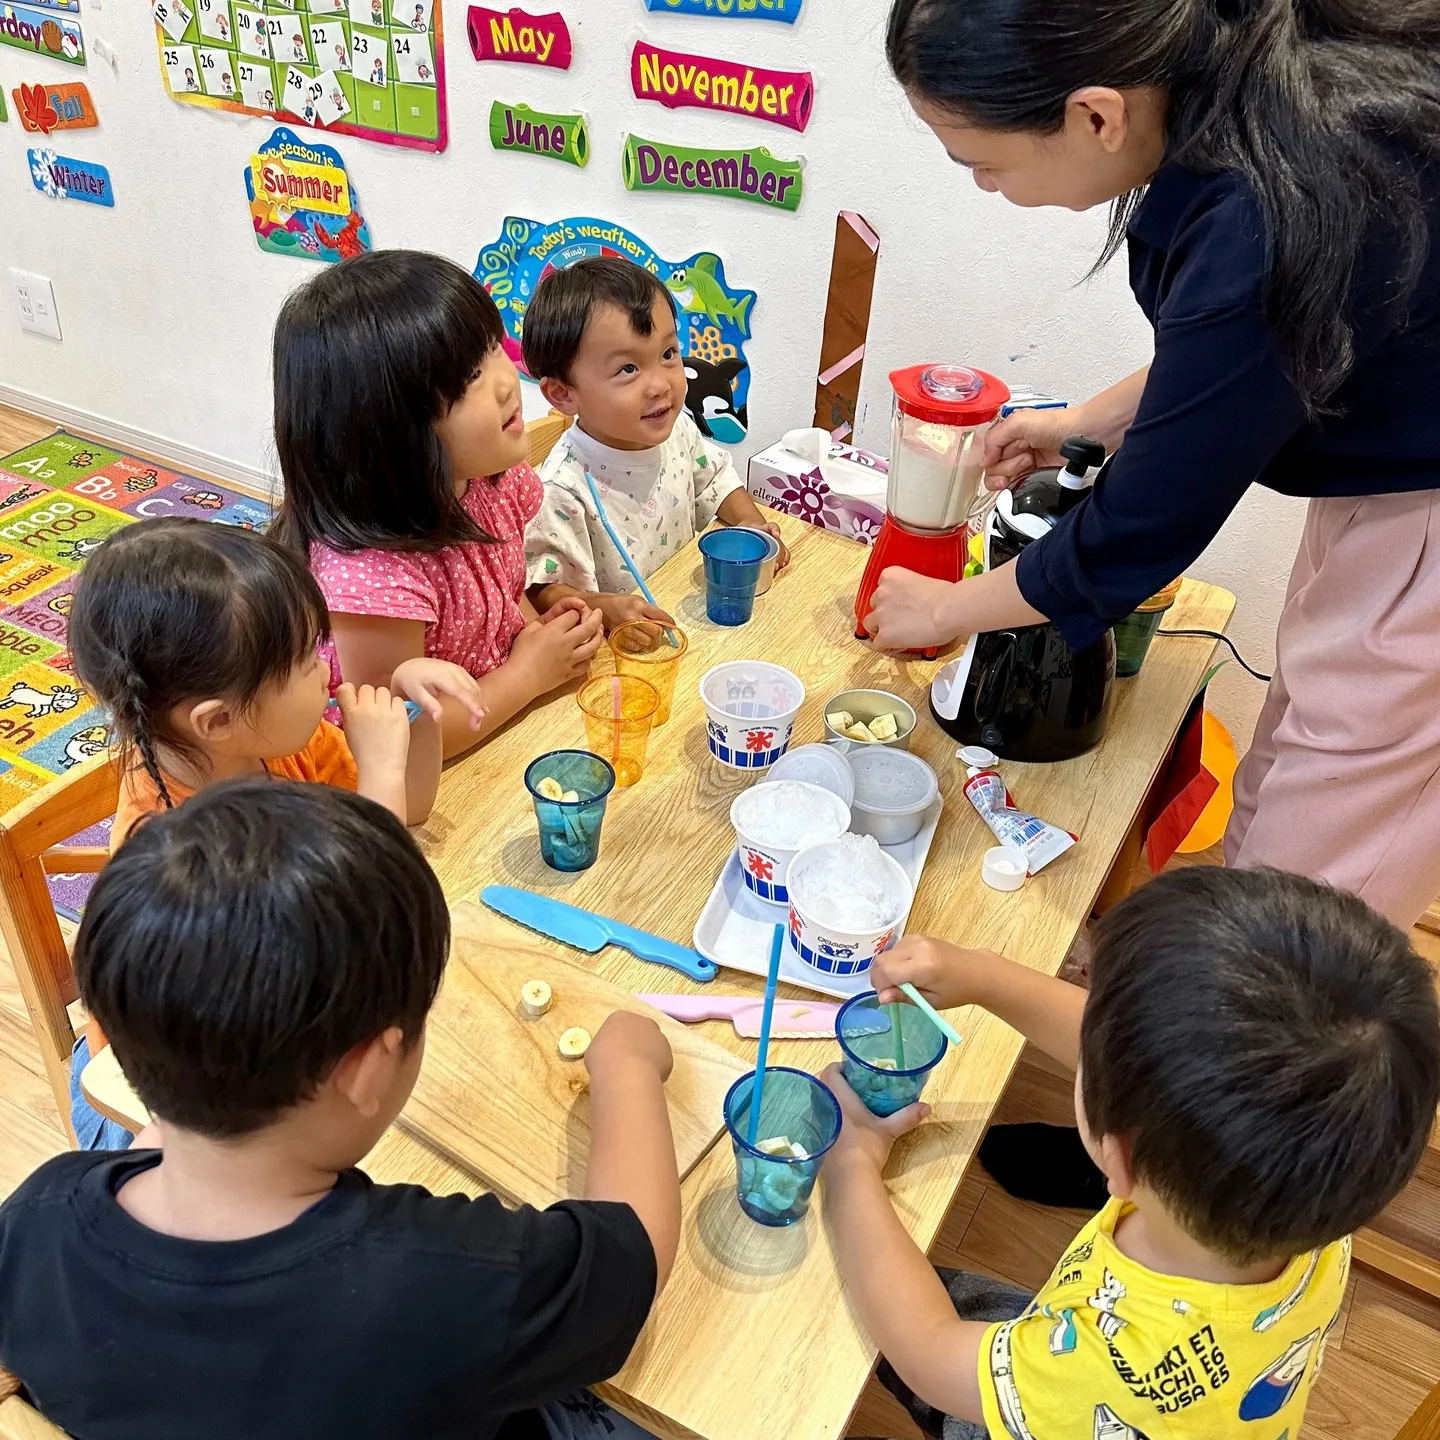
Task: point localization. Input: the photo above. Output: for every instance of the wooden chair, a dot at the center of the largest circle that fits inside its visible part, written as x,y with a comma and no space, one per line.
1404,1240
543,433
1424,1424
31,847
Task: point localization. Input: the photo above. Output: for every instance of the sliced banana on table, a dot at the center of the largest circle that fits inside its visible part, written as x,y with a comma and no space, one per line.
574,1043
550,788
535,996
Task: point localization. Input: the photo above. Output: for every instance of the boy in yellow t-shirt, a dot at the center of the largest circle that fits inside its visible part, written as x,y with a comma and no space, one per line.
1258,1066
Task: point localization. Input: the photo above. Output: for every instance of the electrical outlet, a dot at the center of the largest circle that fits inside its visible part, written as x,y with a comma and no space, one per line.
36,298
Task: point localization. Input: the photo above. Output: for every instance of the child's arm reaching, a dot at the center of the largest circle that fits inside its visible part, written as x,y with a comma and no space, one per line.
377,729
430,683
899,1298
632,1153
1046,1011
547,653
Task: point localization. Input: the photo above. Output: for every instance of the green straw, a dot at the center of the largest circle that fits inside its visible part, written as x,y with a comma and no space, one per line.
941,1023
897,1031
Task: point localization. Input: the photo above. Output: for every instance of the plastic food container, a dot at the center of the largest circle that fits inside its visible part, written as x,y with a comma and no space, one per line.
865,705
766,855
835,949
893,790
772,557
750,710
823,765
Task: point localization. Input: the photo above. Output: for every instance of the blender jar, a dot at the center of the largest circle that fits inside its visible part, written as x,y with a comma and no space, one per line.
938,443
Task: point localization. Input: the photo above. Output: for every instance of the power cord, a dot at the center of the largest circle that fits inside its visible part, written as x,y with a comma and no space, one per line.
1224,640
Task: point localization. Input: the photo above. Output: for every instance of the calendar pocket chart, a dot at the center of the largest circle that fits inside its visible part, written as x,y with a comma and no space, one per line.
373,69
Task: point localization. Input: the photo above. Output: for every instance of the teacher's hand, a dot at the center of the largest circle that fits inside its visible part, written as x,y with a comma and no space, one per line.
911,612
1027,441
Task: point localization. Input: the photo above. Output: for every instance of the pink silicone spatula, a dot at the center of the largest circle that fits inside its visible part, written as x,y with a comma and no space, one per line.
794,1019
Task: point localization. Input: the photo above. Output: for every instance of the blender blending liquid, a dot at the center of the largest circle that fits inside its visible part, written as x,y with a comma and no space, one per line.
936,469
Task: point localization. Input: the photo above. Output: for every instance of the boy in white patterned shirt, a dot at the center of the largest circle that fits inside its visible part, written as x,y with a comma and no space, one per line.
600,336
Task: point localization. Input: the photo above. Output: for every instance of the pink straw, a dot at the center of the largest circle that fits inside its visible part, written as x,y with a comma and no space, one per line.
615,700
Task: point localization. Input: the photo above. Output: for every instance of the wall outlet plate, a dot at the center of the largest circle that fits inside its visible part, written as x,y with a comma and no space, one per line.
35,297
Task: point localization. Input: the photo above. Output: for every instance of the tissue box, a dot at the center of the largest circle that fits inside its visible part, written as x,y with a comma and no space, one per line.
845,492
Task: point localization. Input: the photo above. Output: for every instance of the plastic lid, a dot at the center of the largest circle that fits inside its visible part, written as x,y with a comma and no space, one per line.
1004,867
949,394
978,756
891,782
816,764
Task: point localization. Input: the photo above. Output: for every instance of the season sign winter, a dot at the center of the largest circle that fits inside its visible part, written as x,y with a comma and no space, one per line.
63,178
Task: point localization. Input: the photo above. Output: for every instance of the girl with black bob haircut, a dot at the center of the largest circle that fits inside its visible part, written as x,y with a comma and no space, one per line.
1273,169
402,444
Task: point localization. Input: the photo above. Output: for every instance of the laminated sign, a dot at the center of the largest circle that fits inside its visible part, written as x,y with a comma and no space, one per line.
675,80
753,174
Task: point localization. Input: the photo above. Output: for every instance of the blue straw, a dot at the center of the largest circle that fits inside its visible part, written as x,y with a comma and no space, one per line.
772,979
623,552
941,1023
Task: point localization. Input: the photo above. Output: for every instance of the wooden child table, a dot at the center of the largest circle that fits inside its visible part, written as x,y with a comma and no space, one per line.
752,1338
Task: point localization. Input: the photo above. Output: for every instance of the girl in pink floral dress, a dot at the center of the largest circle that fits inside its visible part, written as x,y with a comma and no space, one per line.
401,440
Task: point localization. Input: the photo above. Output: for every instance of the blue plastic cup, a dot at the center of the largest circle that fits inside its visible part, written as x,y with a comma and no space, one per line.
570,829
885,1066
795,1106
733,559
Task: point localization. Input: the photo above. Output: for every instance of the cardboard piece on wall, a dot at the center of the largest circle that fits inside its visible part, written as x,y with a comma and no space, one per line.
302,202
714,321
785,11
676,80
752,174
847,322
557,137
43,108
42,34
64,178
519,36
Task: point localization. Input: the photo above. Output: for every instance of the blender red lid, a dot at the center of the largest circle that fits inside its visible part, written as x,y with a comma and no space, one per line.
949,394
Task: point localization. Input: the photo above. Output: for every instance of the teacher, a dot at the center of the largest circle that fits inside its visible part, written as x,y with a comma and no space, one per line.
1273,168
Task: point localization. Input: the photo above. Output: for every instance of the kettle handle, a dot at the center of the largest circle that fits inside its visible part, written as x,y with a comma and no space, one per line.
994,679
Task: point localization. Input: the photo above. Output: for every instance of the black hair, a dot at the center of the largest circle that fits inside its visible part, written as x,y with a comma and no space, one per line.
237,948
565,300
368,356
1327,108
1270,1050
173,609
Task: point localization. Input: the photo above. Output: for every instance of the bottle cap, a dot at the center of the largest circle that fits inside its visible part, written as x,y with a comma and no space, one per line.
976,755
1004,868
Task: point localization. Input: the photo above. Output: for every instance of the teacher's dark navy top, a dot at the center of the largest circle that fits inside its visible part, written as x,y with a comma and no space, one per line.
1218,413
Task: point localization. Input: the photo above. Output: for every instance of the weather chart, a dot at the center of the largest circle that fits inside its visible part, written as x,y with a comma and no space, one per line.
369,68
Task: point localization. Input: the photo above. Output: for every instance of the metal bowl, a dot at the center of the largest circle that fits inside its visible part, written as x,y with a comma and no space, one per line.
866,705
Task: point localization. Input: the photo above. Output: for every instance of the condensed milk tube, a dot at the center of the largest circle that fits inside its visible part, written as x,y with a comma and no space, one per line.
1038,840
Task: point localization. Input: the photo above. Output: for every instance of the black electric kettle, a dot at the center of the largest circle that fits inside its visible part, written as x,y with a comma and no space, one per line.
1023,692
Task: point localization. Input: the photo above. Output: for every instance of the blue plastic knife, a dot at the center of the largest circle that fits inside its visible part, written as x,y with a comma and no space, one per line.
587,931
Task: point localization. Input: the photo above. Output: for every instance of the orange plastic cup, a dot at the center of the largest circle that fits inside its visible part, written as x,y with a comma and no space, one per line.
641,649
619,710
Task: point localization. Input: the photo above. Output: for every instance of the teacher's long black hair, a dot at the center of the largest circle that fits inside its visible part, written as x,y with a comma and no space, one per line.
1329,108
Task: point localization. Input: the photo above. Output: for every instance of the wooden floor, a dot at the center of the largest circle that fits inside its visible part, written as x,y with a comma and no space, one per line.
1381,1361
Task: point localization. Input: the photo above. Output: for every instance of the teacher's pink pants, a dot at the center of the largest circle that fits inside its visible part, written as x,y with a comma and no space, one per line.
1342,780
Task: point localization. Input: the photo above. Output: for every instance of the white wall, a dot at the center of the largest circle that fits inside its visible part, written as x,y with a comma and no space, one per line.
167,303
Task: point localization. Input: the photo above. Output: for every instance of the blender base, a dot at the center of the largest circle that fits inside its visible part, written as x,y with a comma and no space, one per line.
941,557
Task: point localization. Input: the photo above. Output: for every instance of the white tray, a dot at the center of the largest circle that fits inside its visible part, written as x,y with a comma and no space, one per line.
735,926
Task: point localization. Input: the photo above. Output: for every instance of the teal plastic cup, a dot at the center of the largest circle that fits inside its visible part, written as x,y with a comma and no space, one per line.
733,560
570,829
794,1106
886,1066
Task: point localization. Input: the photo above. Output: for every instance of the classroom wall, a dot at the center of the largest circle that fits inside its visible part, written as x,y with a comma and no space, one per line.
167,303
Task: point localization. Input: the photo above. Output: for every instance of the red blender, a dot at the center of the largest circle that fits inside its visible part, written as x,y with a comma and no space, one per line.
937,449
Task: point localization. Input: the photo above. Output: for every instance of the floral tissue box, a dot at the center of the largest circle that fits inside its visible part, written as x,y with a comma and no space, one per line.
832,485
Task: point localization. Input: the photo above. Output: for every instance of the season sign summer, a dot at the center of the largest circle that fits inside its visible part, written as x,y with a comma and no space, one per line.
286,179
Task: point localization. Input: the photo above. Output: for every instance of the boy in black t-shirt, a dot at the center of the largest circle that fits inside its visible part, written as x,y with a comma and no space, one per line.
263,959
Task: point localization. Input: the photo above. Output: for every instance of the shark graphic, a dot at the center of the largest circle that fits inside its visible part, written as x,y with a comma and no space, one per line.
698,291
